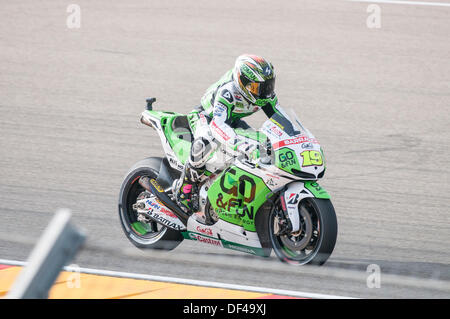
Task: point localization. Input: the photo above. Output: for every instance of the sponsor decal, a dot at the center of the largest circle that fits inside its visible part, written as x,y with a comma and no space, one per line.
168,212
239,108
238,97
249,73
298,140
153,204
276,131
227,95
164,221
240,248
176,163
220,131
202,118
237,201
160,207
156,185
270,182
315,188
307,145
206,240
218,110
287,159
293,198
276,123
205,230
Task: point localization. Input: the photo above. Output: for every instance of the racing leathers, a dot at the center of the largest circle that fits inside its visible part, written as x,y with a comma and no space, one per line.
226,106
222,108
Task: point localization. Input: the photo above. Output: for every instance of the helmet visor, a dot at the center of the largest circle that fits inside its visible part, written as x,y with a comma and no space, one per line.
262,90
253,88
266,89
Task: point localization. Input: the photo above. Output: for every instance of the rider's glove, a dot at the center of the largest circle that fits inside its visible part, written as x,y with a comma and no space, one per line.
249,150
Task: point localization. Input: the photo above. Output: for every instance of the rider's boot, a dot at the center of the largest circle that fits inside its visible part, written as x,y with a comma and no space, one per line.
186,190
186,187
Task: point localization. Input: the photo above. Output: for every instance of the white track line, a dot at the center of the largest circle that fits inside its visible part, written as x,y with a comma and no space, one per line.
414,3
192,282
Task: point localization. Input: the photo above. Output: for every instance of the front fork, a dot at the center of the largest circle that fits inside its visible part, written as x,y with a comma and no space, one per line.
292,196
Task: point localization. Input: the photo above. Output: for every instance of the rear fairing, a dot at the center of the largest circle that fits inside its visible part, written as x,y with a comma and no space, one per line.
175,131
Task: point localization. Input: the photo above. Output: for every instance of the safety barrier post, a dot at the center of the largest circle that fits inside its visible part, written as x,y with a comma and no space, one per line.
56,247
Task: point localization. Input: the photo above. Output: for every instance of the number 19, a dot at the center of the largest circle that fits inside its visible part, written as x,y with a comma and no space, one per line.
311,158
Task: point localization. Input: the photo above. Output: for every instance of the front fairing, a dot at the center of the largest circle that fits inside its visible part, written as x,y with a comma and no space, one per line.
295,150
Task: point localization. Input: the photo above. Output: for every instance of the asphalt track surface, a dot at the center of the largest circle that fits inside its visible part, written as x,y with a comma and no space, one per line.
377,99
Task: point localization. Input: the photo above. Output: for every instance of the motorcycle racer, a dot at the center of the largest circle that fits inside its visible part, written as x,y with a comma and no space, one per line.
204,188
240,92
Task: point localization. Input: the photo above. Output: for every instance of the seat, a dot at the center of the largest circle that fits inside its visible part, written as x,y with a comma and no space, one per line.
180,126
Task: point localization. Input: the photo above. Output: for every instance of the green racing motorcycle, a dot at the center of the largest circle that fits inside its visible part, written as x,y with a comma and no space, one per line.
271,202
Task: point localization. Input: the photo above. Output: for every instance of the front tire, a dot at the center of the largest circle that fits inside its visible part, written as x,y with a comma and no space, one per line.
317,238
146,236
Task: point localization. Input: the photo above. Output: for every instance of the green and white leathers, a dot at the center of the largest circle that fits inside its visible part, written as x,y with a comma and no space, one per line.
241,91
256,204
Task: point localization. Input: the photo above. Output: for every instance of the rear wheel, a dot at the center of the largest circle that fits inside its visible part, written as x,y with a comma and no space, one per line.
314,242
150,235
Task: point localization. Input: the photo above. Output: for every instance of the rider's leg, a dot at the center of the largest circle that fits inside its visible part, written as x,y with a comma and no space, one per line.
201,150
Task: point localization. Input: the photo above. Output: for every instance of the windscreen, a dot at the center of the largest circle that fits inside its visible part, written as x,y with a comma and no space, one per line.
284,123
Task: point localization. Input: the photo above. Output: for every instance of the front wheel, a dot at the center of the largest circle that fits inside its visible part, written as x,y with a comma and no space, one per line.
315,240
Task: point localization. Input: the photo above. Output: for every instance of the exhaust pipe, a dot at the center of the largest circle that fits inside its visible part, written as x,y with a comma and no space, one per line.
144,181
145,120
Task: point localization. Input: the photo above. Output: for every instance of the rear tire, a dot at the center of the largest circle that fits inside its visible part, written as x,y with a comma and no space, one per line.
145,236
317,239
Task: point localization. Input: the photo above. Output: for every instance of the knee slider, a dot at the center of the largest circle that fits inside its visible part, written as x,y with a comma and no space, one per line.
201,149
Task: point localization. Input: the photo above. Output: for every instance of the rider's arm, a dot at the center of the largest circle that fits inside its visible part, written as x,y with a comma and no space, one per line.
272,107
221,126
221,123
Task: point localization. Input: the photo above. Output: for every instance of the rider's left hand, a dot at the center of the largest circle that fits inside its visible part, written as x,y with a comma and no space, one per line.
249,150
252,156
